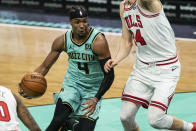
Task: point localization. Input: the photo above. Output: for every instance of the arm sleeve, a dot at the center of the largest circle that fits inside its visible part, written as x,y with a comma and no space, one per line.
107,81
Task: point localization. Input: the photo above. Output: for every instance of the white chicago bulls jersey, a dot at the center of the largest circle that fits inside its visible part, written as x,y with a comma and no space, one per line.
8,111
152,33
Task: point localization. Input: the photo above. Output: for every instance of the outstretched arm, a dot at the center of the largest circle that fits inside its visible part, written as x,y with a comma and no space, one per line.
126,39
25,116
57,48
125,43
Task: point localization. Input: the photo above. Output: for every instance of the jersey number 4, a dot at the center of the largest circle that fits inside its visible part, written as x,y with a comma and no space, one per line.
4,113
84,67
139,38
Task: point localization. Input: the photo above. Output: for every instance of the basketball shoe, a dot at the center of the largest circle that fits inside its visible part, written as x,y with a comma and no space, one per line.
194,126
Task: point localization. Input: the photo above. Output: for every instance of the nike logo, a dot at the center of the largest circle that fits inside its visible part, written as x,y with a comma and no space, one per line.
173,68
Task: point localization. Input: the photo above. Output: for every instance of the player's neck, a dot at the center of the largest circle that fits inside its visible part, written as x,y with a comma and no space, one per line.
78,39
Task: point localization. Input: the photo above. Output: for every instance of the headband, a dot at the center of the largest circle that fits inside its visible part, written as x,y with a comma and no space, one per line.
77,13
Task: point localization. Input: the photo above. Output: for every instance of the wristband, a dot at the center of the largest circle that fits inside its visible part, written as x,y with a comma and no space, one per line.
94,100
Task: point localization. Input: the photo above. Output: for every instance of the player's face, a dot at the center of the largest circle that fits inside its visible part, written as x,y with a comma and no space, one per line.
80,26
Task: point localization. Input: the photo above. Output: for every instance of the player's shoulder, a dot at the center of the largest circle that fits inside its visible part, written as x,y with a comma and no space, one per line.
59,38
95,33
100,36
99,40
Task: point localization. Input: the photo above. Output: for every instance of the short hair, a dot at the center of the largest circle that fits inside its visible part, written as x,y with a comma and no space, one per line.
77,12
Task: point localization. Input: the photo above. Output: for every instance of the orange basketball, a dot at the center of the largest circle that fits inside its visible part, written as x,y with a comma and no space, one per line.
34,84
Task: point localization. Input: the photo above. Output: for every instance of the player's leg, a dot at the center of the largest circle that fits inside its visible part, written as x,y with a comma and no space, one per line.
135,94
69,124
179,124
158,119
70,101
62,112
81,124
164,89
85,124
127,116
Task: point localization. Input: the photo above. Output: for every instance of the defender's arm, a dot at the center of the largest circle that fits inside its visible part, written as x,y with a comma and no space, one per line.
25,116
126,39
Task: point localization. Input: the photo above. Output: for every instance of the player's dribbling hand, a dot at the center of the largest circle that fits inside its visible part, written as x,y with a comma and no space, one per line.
109,64
21,92
91,106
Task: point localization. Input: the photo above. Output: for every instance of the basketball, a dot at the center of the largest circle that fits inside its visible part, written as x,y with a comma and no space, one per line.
33,84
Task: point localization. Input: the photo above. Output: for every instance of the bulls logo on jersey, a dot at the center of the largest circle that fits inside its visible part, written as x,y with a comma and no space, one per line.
133,21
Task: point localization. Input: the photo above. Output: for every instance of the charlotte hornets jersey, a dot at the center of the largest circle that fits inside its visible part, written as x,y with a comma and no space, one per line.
83,65
152,33
8,111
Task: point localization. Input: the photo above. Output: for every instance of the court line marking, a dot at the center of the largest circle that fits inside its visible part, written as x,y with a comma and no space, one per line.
61,29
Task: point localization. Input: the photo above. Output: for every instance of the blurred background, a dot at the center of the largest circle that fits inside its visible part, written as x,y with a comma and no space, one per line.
177,11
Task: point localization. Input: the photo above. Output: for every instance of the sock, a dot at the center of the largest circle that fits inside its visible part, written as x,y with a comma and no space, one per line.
187,126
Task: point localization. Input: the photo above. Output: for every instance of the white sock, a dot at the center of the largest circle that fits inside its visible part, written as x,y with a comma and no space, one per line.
187,126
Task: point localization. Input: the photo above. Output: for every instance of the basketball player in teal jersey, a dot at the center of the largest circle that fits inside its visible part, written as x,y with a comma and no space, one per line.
85,80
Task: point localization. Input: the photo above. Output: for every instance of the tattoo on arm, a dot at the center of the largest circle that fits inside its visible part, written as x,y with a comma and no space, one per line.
25,115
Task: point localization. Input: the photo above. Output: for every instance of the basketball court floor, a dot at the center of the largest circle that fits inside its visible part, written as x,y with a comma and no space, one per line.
182,106
22,49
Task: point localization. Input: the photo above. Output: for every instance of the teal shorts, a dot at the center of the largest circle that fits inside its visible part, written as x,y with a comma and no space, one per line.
75,94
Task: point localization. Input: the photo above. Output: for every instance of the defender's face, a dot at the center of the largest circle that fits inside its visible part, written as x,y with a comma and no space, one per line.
80,26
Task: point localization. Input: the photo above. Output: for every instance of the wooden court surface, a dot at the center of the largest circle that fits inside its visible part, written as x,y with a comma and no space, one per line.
23,48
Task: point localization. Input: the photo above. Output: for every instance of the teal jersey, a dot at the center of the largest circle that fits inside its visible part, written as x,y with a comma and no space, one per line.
83,65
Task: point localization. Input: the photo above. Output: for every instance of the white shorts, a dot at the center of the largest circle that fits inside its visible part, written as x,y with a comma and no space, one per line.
152,85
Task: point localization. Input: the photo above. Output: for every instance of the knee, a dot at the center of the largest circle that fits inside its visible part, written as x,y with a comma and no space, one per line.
156,117
155,120
159,120
124,117
127,118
